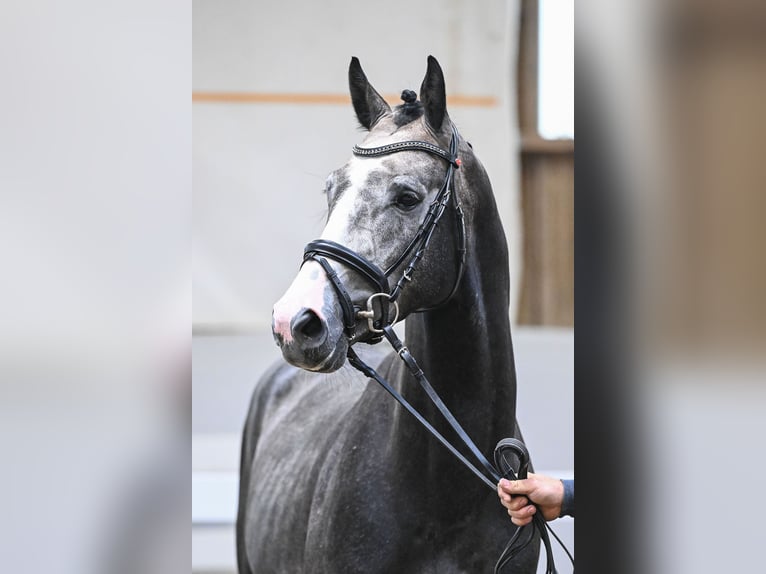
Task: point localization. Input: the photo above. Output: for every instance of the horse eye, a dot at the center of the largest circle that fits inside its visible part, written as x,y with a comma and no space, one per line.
407,200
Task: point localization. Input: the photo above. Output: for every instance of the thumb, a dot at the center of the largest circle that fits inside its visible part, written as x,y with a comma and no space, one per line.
515,486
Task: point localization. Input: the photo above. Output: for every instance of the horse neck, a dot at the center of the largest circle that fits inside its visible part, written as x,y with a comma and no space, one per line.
466,352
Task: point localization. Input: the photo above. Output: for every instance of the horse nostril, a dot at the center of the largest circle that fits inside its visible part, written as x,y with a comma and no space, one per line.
307,325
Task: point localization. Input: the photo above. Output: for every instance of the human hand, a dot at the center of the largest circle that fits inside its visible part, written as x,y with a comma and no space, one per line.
545,491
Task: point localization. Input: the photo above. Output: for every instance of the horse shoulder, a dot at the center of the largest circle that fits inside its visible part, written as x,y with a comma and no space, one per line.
293,422
272,384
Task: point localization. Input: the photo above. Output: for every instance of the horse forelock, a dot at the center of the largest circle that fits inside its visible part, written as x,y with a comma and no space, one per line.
404,114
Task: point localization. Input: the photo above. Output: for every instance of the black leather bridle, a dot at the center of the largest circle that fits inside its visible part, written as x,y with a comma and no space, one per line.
322,249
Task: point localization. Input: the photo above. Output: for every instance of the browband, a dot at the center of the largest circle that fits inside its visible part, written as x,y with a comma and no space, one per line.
413,145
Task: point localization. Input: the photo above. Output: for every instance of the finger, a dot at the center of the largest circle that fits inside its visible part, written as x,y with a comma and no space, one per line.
515,486
521,521
504,485
513,502
526,512
518,502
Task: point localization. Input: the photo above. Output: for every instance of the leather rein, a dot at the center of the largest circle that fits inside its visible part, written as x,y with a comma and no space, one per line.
321,250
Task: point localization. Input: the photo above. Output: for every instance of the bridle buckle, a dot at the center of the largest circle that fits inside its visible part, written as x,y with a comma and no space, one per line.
369,313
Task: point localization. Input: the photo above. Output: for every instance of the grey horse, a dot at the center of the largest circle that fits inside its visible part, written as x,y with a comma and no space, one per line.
335,476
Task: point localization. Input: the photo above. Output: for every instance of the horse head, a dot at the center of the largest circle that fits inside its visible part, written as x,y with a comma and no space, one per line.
379,206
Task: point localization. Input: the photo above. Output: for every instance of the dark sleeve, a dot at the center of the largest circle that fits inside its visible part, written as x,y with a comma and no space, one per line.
567,505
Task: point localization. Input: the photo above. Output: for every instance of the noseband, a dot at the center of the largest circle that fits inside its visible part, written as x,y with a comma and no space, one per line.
322,249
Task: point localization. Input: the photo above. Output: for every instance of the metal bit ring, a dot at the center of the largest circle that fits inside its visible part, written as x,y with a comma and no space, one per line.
369,314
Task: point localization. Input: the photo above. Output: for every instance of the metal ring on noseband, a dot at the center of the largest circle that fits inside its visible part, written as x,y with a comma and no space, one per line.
369,314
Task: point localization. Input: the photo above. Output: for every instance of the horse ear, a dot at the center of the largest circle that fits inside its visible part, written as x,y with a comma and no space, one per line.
433,95
369,105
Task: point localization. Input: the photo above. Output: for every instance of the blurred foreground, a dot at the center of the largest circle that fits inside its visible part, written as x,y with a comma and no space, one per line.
95,302
671,276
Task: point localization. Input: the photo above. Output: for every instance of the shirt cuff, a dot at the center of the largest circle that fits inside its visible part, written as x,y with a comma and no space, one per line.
567,505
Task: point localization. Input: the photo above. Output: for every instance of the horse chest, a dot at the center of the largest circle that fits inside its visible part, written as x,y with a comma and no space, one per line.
339,484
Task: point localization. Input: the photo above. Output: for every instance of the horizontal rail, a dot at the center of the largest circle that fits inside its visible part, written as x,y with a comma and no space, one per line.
296,98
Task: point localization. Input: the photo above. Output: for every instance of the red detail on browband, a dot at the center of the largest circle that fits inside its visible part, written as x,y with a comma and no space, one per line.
458,162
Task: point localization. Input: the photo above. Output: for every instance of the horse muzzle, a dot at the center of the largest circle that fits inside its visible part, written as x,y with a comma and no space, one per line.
306,324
